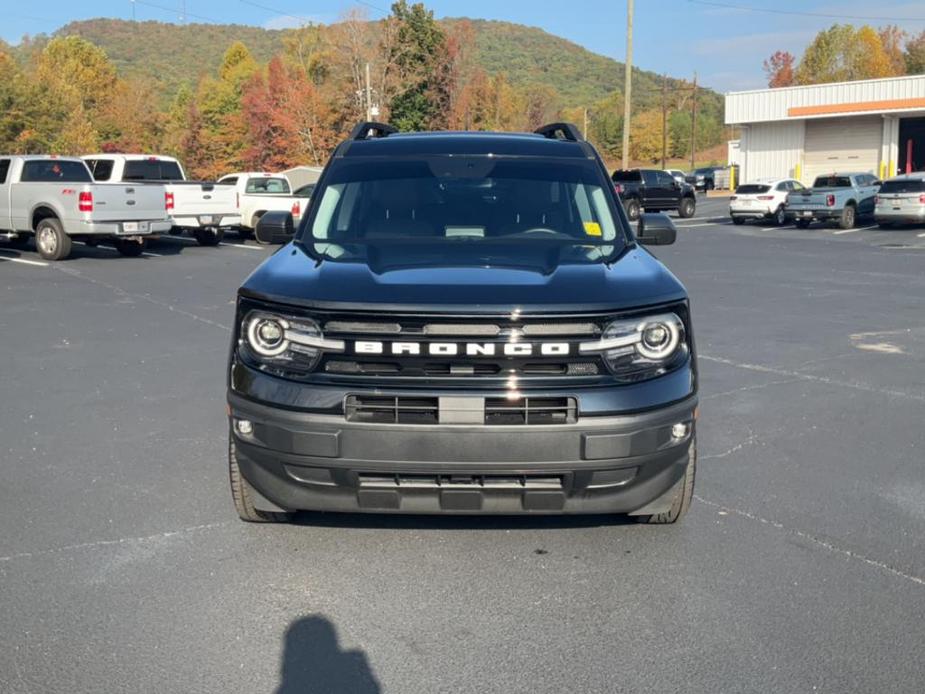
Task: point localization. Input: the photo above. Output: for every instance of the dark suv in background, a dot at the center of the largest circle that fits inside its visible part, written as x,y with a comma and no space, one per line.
703,179
653,190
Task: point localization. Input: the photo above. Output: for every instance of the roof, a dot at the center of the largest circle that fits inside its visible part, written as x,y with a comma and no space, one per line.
29,157
126,155
897,95
474,143
914,176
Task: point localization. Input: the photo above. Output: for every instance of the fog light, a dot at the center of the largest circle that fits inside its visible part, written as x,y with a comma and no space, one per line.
245,427
678,431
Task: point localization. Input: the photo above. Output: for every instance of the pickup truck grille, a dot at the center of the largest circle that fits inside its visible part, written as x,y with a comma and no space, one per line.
379,409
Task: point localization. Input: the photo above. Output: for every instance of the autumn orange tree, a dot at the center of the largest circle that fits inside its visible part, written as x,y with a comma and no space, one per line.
844,52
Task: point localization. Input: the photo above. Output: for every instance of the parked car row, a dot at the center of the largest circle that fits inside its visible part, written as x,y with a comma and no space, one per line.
839,198
129,198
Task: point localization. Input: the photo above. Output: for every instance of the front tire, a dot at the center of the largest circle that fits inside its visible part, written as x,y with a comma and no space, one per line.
738,221
802,224
886,225
241,496
209,236
129,248
687,208
633,210
684,496
51,241
245,233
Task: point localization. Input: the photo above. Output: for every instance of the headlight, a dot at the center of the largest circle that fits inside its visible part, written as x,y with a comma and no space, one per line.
640,348
283,345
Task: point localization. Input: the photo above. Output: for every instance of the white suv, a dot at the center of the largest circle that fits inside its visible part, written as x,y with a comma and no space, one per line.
765,198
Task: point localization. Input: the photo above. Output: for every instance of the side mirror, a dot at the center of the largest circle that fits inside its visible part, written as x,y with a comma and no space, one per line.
275,227
656,229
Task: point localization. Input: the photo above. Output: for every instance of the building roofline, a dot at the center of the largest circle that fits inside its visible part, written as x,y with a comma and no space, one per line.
778,90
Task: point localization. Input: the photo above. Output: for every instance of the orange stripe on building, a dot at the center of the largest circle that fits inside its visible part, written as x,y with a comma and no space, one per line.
887,105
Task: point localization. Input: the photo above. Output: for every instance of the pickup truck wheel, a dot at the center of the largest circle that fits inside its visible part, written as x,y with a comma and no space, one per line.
886,225
51,241
848,217
683,497
687,207
780,216
209,236
802,224
738,221
129,248
632,209
245,233
241,494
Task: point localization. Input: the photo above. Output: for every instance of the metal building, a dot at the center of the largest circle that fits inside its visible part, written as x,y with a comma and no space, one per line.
876,126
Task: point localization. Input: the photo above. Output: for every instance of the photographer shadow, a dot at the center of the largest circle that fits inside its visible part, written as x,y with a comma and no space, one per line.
313,662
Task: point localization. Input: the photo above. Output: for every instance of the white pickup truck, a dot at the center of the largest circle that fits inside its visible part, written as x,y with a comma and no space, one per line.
200,207
257,193
55,200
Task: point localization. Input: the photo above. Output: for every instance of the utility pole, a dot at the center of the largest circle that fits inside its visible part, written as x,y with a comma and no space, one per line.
694,123
628,83
369,97
664,118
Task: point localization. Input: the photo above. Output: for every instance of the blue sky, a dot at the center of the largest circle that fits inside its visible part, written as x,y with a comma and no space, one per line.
725,46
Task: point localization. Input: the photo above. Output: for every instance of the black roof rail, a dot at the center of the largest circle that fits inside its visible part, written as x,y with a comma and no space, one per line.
567,130
368,129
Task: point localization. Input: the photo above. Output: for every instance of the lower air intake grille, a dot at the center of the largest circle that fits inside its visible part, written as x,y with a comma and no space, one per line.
401,409
502,411
378,409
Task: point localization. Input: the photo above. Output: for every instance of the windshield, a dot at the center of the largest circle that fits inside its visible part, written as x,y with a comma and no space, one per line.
152,170
632,175
267,185
701,172
832,182
752,189
464,210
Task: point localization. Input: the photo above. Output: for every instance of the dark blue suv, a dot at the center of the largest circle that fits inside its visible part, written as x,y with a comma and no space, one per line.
463,323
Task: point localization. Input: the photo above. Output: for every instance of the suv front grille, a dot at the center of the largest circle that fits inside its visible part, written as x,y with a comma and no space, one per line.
479,348
401,409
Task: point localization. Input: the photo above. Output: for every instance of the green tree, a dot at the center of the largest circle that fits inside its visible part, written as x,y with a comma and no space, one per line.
605,125
915,55
418,54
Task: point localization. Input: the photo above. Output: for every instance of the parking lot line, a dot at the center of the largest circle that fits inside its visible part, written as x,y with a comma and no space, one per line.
241,245
922,235
787,226
851,231
24,261
694,226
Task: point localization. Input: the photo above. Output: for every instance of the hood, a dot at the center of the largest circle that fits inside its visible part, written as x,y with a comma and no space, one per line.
291,276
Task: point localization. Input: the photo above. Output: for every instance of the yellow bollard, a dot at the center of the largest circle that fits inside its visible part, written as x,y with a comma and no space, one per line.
732,178
882,170
798,172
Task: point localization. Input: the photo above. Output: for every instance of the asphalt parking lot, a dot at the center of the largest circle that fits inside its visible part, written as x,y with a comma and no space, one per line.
801,567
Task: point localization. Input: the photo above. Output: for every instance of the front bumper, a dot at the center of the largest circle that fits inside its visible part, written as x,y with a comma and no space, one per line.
609,464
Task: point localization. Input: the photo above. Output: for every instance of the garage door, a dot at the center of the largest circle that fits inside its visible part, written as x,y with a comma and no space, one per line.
842,145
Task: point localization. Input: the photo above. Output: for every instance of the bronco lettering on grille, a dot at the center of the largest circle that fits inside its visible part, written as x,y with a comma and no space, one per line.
469,349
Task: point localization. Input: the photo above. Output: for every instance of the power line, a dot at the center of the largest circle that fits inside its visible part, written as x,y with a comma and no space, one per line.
173,10
769,10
